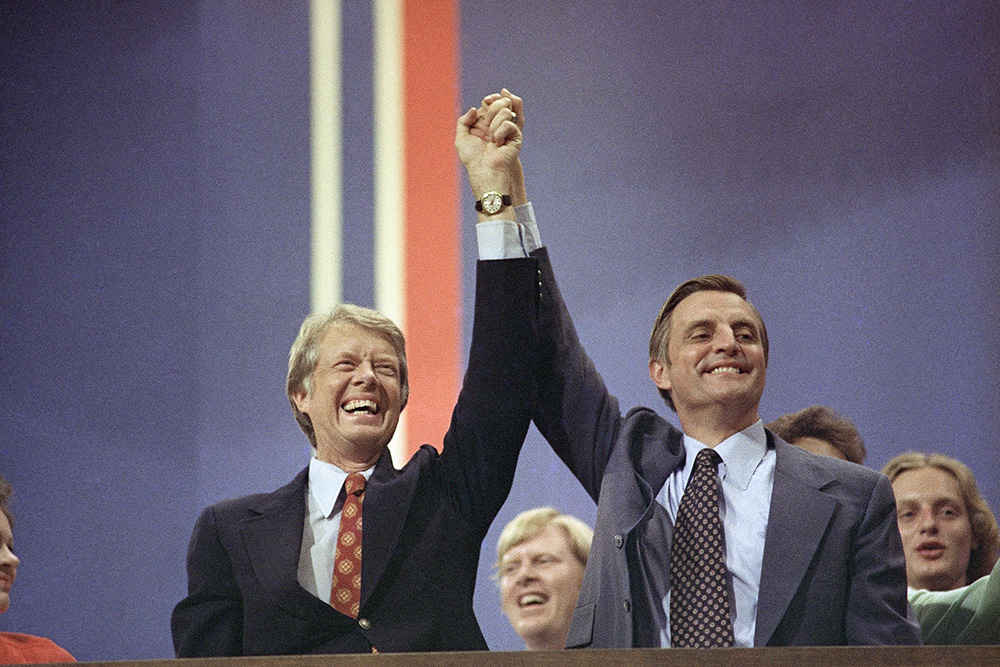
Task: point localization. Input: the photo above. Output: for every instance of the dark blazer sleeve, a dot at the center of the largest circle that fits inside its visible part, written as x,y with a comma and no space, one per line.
493,411
833,571
575,412
209,621
877,607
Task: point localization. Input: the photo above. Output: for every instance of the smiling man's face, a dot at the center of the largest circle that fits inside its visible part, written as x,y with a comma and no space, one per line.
715,355
539,582
355,400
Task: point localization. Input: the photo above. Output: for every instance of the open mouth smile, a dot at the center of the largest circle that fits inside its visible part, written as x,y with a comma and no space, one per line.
727,369
361,406
530,600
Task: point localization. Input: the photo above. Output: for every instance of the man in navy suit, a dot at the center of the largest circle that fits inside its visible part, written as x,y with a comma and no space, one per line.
260,568
811,548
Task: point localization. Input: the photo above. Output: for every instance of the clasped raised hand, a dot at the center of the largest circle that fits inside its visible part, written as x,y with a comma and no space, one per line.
488,140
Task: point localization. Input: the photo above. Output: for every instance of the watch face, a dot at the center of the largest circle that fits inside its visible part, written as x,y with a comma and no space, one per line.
492,202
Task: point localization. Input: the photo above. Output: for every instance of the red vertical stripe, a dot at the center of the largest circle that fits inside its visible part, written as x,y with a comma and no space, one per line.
433,322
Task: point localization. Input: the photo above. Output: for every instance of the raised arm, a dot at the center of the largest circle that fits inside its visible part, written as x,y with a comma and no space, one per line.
574,411
493,412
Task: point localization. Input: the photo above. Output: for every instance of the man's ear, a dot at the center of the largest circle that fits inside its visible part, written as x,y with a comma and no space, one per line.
301,398
658,373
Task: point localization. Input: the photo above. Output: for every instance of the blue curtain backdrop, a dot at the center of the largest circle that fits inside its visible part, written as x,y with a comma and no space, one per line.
840,158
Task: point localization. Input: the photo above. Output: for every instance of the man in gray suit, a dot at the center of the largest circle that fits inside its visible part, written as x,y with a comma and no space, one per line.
811,548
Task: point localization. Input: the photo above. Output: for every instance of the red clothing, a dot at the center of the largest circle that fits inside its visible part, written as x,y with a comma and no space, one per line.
16,648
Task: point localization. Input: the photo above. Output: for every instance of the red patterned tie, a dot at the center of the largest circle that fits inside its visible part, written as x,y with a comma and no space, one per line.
699,594
345,593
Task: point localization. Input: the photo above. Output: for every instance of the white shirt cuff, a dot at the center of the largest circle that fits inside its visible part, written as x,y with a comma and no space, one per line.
507,239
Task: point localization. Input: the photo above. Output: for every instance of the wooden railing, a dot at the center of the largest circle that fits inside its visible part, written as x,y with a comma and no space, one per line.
848,656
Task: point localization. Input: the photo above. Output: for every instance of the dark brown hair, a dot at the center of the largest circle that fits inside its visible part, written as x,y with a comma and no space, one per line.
822,423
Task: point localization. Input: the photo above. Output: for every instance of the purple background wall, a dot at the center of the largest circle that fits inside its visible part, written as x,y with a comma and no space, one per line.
841,158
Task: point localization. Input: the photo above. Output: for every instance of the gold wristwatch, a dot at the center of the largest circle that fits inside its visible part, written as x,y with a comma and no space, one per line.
492,203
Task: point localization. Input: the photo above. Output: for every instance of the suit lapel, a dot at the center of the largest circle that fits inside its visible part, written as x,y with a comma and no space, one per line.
273,537
655,463
799,515
657,451
273,540
387,503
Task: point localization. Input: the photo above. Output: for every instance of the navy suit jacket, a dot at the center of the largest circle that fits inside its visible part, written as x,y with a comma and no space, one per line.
833,569
423,525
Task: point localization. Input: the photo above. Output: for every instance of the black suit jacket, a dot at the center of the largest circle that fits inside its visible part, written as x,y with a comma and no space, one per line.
833,569
423,525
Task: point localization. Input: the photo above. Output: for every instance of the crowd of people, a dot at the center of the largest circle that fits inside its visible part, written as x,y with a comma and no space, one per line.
723,532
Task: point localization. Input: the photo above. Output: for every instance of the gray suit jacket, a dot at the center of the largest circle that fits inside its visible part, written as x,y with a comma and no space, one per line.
833,569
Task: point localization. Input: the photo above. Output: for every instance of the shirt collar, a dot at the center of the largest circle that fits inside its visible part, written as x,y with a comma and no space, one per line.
741,453
326,481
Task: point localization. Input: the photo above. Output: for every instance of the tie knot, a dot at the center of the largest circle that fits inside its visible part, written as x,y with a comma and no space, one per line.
355,484
708,458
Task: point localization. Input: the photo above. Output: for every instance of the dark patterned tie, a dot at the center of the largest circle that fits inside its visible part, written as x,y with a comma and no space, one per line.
345,593
699,598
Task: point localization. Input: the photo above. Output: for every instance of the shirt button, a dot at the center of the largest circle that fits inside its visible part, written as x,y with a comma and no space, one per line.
619,541
364,623
626,605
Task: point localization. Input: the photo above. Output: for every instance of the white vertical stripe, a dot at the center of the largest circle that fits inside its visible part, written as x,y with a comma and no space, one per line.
326,128
389,159
390,190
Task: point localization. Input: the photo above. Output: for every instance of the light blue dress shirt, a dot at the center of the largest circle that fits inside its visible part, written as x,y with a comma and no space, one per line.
746,476
324,503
